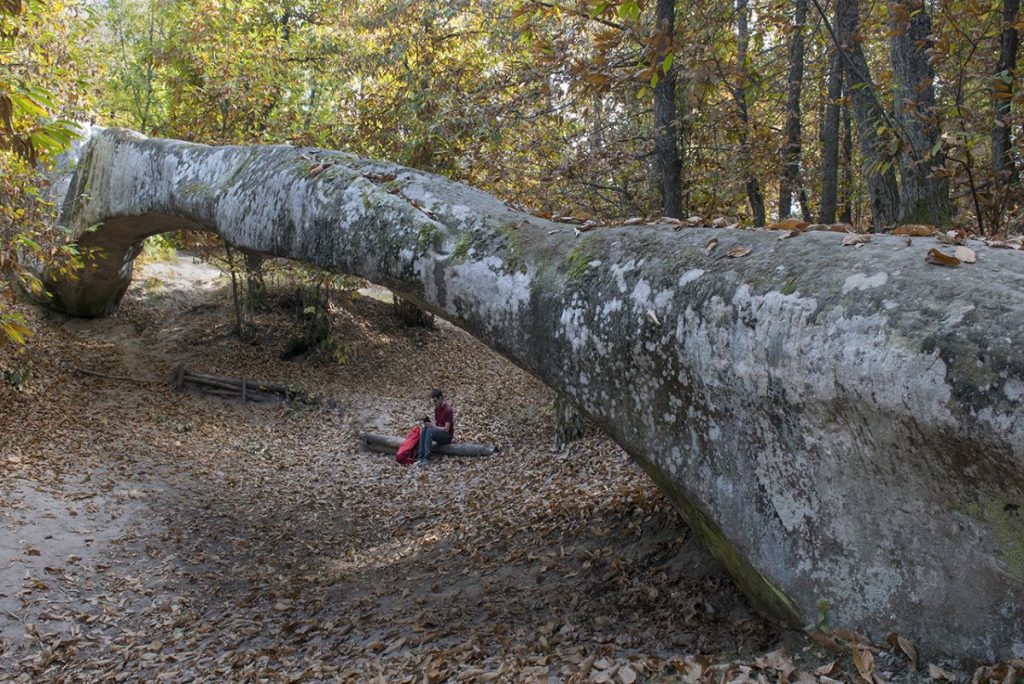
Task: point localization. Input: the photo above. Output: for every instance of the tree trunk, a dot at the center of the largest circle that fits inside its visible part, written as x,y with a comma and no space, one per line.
773,397
830,140
789,182
1002,94
924,197
388,444
255,285
877,148
568,422
753,187
666,128
846,164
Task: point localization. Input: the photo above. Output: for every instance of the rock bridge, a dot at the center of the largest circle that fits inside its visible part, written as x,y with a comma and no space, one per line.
843,426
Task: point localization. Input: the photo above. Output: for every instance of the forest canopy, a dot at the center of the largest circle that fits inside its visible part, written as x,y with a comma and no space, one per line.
870,113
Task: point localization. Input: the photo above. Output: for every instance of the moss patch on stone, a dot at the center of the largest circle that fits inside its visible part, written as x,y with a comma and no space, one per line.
1005,523
462,246
764,596
578,259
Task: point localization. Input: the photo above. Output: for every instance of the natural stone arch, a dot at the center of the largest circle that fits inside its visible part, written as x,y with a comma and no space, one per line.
842,426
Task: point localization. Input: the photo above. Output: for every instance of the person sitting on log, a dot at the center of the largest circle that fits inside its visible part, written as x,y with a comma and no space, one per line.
440,430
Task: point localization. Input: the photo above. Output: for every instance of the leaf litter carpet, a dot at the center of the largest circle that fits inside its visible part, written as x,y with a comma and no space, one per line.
149,535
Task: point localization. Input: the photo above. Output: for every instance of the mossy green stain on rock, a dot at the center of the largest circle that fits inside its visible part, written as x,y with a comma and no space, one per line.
765,596
578,259
428,236
1004,522
462,246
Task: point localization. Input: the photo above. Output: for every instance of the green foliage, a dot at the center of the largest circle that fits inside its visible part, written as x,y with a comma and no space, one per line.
38,80
158,248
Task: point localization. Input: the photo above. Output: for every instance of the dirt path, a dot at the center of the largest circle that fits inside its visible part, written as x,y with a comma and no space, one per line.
149,535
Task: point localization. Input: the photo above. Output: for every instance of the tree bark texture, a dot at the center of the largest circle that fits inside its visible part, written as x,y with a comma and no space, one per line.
789,183
753,186
846,166
1002,94
666,127
841,426
569,424
877,150
830,141
924,197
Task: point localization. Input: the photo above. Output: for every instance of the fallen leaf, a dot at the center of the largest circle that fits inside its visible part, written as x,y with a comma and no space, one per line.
626,674
965,255
904,644
841,228
856,239
864,661
829,669
914,230
789,224
710,247
936,672
934,256
316,170
738,251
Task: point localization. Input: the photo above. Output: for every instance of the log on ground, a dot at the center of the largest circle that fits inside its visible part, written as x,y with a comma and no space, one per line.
390,444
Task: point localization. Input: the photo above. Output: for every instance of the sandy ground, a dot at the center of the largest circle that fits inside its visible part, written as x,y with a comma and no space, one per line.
148,535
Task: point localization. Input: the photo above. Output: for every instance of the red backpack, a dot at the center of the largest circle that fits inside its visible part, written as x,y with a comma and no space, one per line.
407,452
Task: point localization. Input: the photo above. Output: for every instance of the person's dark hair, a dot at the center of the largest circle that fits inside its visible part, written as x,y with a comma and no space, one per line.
436,394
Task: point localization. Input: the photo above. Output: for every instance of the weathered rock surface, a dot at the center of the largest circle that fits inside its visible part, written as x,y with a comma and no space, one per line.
843,426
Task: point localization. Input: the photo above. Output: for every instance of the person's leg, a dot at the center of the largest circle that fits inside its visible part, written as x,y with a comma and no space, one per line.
441,437
426,441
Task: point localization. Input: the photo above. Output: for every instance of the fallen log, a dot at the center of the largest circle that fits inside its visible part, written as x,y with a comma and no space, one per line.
390,443
242,389
842,425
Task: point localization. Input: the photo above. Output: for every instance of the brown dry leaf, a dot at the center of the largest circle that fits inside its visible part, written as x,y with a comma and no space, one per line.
316,170
710,247
790,234
965,255
695,221
934,256
841,228
914,230
936,672
738,251
634,221
857,240
1000,244
953,237
904,644
789,224
828,669
626,674
864,661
